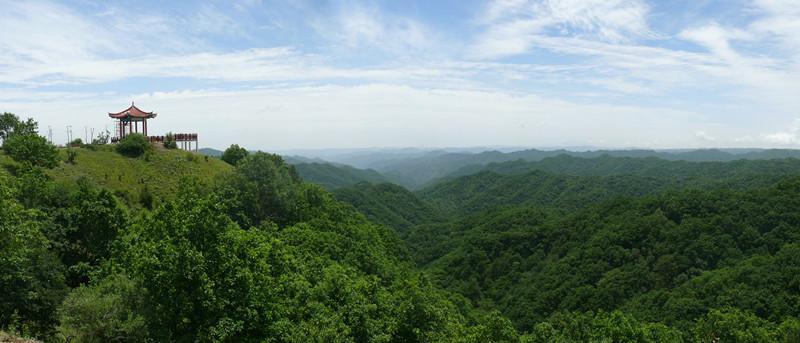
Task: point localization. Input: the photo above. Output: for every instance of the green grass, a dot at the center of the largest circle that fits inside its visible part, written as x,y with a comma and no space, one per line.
161,170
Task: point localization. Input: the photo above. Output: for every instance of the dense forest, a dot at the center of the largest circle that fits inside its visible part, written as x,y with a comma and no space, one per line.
135,242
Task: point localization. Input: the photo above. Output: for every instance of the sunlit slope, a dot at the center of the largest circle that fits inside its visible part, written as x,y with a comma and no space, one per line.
160,170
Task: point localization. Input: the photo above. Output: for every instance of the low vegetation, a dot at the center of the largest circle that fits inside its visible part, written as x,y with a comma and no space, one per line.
133,145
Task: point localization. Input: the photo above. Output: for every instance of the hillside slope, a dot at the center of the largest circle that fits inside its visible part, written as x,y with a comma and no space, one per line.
568,182
159,171
333,176
667,258
389,204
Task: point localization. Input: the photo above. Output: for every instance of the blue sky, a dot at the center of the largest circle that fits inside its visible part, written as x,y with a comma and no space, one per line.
342,74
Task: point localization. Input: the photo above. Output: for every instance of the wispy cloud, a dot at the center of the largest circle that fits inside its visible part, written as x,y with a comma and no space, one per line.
361,26
512,25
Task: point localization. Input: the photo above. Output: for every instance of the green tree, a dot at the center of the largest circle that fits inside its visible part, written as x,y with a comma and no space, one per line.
734,325
234,154
109,310
31,277
88,223
206,279
11,124
31,148
263,187
133,145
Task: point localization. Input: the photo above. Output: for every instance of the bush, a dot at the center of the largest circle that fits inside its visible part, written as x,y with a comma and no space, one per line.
31,148
169,141
133,145
71,154
103,312
146,198
102,139
234,154
75,143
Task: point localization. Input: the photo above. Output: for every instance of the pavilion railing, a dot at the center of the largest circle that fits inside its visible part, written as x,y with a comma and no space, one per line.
178,137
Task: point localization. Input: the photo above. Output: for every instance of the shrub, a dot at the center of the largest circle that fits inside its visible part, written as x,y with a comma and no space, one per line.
234,154
31,148
133,145
102,139
71,154
103,312
146,198
169,141
77,142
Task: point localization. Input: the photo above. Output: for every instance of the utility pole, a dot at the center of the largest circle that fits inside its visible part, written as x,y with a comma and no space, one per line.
69,134
85,135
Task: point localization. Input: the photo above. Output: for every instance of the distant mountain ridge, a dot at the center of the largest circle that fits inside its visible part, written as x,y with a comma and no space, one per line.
415,168
417,172
333,176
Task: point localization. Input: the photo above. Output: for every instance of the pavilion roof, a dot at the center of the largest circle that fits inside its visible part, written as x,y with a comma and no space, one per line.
132,112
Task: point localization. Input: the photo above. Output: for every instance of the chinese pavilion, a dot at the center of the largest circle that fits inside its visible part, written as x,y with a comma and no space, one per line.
127,122
129,119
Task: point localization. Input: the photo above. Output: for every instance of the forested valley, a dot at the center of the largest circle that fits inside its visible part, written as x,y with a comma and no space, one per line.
132,242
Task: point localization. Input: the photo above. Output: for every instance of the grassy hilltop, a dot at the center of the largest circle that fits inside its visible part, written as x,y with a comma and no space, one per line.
160,170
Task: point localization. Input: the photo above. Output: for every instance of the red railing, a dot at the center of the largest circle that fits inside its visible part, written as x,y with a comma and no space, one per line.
178,137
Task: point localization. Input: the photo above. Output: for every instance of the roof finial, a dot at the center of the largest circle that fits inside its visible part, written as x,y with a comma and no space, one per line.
131,103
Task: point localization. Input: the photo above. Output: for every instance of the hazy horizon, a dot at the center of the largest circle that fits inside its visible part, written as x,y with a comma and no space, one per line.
281,75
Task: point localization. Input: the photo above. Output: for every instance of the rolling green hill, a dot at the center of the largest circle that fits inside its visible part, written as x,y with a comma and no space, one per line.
698,172
666,258
417,172
568,182
475,193
389,204
159,171
333,176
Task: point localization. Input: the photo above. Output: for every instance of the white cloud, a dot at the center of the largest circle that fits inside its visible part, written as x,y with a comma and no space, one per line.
791,136
704,136
511,26
358,26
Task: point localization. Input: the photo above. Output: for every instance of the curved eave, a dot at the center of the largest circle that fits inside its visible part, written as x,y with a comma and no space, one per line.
123,116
